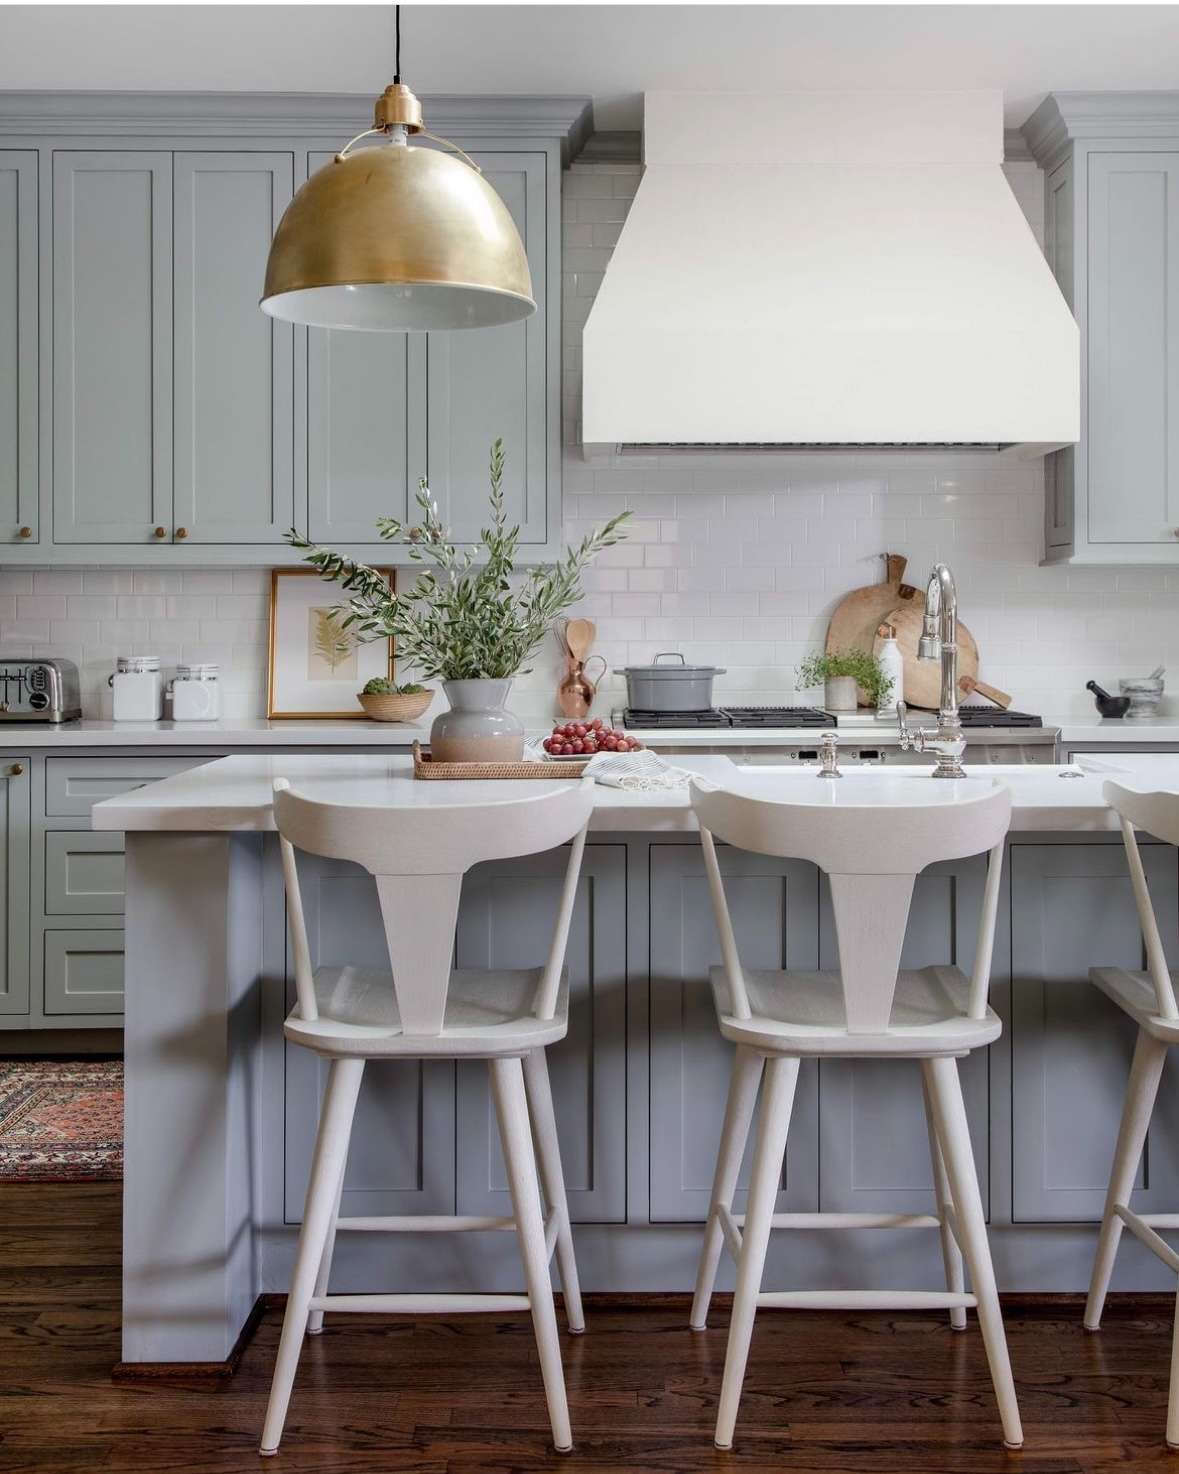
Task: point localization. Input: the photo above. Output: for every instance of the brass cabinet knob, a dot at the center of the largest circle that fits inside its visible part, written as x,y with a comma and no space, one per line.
161,532
181,533
16,770
26,532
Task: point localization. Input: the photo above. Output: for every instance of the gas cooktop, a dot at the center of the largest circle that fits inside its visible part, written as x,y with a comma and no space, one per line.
730,717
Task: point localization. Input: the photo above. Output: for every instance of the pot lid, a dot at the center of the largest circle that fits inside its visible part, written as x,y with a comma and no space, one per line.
680,672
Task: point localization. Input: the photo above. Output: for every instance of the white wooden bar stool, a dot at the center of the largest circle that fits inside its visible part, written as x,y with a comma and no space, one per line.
1149,998
422,1009
872,853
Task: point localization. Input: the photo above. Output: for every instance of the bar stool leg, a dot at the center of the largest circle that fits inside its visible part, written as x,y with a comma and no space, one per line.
743,1086
548,1155
951,1253
945,1089
315,1319
1150,1055
511,1107
327,1167
774,1124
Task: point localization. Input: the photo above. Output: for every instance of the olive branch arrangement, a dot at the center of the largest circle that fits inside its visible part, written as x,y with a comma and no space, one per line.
461,619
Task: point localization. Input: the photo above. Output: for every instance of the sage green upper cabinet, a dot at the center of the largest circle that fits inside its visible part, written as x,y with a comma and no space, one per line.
152,414
366,398
233,389
491,383
1111,164
112,338
19,357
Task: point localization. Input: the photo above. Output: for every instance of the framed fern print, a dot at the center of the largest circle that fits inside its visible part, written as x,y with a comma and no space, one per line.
316,666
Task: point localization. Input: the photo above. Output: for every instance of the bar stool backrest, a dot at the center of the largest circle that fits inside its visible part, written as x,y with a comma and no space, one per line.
1158,814
872,854
418,856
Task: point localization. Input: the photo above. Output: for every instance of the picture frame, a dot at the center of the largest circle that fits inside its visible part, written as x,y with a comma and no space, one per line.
314,672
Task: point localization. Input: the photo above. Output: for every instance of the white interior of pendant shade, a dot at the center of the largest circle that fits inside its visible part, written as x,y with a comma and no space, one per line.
399,307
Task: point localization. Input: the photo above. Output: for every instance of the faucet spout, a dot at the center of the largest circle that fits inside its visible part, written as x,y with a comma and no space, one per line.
939,638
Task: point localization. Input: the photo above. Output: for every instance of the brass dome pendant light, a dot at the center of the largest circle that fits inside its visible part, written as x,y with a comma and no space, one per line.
398,239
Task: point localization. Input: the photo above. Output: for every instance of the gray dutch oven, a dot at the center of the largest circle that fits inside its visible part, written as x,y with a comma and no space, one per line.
662,688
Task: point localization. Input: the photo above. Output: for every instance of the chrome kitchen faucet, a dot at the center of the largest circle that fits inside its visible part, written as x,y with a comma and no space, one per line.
939,636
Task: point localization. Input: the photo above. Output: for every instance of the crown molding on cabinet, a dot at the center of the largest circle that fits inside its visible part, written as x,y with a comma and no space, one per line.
211,114
1066,116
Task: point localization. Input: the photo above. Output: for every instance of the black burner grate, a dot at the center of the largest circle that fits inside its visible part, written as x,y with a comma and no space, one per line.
731,716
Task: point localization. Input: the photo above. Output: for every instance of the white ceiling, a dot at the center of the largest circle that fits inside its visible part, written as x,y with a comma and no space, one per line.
610,52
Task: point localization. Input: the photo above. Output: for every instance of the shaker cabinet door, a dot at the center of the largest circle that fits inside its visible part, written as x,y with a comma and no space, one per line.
774,905
19,355
112,341
234,366
509,910
492,383
1072,909
366,427
1133,348
873,1144
14,885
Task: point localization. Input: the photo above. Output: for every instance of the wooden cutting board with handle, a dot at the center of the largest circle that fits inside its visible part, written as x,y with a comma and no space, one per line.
923,678
856,616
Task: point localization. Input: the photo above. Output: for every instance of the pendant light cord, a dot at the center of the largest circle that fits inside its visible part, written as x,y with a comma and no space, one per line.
397,43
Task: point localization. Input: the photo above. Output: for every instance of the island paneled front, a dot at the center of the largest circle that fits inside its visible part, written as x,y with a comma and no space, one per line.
221,1114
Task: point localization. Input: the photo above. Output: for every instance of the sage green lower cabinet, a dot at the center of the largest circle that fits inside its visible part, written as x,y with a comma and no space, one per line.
775,910
873,1143
85,873
1071,909
14,887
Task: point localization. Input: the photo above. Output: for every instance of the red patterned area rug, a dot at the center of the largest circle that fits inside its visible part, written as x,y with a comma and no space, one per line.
61,1121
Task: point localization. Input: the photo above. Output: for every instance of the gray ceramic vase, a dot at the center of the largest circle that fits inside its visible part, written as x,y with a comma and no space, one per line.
477,729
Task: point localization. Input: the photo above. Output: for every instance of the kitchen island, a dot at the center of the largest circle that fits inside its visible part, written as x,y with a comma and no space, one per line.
220,1115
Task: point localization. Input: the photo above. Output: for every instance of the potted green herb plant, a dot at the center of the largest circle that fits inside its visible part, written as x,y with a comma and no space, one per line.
840,672
467,619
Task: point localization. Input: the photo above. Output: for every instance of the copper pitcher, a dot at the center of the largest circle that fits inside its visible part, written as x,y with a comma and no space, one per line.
576,692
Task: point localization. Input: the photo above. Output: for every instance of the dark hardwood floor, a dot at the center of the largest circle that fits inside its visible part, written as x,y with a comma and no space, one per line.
825,1393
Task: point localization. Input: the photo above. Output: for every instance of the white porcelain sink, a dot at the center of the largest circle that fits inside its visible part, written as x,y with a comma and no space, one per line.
905,785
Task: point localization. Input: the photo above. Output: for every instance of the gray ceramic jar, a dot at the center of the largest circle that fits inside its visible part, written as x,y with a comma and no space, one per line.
477,728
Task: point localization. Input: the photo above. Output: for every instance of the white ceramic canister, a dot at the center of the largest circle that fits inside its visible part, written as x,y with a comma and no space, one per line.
196,693
138,690
892,666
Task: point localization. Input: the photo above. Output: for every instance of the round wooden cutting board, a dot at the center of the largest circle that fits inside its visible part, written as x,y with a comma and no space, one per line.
853,623
923,678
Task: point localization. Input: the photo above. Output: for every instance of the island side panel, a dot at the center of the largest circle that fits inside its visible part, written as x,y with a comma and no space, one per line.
193,974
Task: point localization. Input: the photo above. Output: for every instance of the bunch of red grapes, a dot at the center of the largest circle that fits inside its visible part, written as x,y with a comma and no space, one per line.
583,739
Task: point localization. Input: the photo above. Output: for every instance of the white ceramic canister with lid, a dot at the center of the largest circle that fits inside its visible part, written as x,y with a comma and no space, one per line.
196,693
138,690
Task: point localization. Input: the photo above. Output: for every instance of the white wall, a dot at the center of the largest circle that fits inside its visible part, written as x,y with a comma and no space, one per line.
734,560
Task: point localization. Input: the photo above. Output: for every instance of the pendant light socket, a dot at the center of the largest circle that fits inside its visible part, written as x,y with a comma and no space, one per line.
397,105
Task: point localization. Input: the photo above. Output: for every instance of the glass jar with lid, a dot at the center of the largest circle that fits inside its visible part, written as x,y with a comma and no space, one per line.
196,694
138,690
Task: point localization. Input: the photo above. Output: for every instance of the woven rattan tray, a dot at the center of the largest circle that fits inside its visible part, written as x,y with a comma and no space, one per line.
425,767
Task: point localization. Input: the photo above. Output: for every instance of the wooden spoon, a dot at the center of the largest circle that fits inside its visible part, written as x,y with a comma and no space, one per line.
580,635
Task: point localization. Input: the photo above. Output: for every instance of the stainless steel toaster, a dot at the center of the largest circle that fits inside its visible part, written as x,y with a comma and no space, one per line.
39,688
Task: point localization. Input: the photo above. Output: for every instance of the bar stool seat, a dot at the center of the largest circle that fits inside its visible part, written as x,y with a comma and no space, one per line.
487,1015
804,1013
1134,993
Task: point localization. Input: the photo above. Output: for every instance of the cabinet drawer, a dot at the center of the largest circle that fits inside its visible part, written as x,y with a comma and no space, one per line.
84,873
74,785
84,971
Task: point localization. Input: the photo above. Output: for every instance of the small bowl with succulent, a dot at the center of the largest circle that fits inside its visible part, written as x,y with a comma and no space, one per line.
385,701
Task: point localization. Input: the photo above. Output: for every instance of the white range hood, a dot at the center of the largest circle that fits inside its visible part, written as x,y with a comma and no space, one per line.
830,270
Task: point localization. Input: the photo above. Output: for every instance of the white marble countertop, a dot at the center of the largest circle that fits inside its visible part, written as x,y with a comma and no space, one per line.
234,793
229,732
258,732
